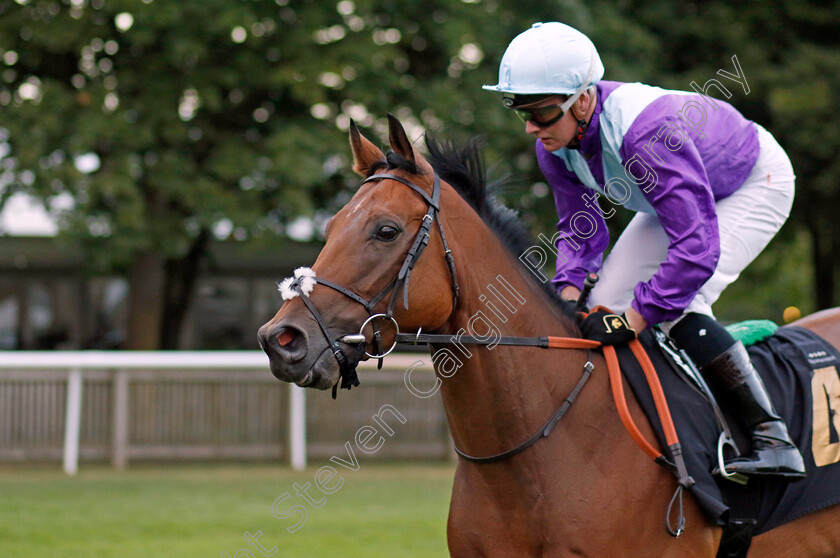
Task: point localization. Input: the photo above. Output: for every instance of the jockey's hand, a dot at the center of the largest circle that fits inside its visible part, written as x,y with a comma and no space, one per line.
570,293
608,328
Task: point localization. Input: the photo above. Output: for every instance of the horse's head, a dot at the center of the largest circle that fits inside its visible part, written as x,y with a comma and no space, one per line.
370,266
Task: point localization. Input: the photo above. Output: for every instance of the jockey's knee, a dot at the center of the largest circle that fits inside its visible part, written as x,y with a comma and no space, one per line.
702,337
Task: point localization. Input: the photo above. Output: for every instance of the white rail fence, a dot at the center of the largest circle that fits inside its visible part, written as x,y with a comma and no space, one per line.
122,406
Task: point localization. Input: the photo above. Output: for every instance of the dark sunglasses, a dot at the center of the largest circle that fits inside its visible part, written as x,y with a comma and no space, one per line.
541,117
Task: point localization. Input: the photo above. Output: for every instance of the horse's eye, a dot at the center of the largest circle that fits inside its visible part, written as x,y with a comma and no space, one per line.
387,233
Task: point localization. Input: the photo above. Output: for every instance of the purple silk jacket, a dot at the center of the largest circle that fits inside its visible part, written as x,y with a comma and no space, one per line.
672,154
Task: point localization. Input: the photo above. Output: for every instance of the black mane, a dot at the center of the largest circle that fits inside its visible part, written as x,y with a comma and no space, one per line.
462,166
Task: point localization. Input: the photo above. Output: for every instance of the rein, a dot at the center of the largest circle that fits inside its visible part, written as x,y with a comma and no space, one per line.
677,466
614,370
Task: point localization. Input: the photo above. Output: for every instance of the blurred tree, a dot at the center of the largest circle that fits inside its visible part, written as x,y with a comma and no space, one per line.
788,53
152,127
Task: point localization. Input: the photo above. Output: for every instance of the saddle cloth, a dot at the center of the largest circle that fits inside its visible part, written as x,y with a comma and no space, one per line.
800,370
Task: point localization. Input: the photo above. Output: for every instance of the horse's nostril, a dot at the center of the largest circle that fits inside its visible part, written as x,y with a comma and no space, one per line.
286,337
286,342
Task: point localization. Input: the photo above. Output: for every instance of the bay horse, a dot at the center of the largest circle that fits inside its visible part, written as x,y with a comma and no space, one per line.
584,490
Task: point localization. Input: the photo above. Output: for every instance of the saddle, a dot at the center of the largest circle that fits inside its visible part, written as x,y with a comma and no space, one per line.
800,370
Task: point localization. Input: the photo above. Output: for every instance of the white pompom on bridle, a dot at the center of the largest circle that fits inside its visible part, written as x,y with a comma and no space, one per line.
304,280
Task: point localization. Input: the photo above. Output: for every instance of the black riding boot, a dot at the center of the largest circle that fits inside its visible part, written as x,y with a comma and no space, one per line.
774,453
726,366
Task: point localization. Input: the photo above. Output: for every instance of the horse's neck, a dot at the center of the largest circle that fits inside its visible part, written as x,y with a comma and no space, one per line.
495,397
497,288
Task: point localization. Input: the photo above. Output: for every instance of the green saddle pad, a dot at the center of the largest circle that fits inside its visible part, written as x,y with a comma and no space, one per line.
752,331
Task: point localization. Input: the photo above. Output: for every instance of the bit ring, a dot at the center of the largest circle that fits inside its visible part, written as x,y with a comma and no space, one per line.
396,327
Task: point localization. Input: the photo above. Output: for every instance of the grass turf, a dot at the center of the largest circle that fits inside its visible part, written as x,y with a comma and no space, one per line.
186,511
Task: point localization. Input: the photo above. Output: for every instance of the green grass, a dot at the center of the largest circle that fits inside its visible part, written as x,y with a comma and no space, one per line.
189,511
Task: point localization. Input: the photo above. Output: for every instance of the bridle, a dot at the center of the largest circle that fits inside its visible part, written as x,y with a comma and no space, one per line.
305,279
297,287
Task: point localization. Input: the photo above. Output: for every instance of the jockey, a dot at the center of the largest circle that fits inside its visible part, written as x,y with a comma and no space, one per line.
710,189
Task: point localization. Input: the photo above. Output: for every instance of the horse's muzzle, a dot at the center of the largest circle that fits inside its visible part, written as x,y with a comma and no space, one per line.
295,357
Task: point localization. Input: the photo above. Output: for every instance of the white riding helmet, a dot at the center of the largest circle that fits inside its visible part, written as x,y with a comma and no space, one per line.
549,58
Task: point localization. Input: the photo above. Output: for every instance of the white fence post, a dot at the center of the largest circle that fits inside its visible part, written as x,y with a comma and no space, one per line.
73,421
119,442
297,427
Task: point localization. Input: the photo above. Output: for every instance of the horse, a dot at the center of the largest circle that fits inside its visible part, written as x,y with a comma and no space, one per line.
584,490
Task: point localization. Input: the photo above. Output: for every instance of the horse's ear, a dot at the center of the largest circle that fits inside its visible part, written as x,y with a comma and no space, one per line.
401,145
365,154
398,138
